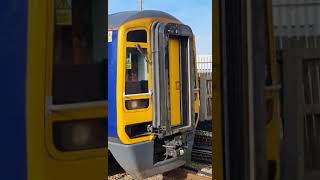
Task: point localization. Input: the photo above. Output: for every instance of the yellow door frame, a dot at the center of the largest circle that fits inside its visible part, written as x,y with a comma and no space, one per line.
217,158
68,114
127,117
43,165
273,128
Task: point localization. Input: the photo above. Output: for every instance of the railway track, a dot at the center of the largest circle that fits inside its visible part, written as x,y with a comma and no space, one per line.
113,167
203,156
187,173
202,148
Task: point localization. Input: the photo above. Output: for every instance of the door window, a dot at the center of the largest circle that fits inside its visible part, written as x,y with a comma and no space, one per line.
80,56
136,72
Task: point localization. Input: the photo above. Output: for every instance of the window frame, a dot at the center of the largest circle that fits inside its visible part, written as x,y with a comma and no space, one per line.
64,112
125,77
50,106
137,41
142,96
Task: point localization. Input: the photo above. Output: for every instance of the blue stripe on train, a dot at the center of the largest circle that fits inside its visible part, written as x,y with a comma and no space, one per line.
112,82
13,57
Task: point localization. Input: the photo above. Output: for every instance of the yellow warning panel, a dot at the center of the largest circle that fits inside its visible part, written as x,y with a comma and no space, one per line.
174,70
63,12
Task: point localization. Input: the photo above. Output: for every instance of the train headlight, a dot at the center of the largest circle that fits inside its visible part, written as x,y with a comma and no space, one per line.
133,104
137,104
80,134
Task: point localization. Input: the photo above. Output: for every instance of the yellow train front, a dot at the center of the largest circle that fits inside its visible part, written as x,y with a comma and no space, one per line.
152,98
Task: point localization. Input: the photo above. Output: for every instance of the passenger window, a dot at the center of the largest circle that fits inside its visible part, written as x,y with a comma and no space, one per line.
80,56
137,36
136,71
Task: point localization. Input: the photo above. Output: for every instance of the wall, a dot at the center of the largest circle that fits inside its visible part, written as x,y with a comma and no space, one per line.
296,23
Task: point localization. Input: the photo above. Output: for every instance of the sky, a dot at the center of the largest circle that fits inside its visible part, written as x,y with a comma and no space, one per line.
195,13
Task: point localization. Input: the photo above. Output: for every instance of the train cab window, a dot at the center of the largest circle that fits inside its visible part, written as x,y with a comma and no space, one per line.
80,56
136,71
137,36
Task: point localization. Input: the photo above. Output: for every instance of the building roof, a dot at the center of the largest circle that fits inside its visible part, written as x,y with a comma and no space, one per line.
117,19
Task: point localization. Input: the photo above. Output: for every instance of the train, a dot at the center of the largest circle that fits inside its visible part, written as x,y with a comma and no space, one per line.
153,98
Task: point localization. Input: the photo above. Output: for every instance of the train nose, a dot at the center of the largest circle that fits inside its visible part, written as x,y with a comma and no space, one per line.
138,159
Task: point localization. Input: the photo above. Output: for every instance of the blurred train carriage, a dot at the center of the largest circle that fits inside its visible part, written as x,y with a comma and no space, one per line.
152,102
55,71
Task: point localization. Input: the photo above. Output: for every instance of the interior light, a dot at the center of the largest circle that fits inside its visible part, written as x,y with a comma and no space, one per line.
137,104
78,135
81,134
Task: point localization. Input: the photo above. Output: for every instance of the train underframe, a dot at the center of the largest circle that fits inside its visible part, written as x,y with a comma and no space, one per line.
149,158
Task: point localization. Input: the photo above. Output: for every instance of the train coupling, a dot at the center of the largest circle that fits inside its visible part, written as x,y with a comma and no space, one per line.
159,132
175,147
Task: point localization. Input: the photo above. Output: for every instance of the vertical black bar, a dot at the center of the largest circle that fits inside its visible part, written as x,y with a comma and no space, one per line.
224,90
259,55
233,43
237,97
293,116
184,77
297,110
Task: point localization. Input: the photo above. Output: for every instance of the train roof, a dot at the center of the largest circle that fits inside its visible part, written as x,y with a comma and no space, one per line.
117,19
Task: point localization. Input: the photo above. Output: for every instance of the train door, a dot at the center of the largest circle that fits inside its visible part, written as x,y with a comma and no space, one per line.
174,81
75,89
173,78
